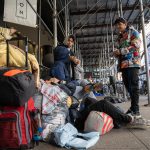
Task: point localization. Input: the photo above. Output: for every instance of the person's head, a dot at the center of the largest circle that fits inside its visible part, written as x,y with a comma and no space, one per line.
121,24
69,41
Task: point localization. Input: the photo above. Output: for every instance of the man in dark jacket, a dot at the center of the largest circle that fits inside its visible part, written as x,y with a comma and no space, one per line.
64,60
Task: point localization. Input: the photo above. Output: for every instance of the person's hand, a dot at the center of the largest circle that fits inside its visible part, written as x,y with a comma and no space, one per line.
77,61
52,80
69,101
72,58
116,52
98,86
12,31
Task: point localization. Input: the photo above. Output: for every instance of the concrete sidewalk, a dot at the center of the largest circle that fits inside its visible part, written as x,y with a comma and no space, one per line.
120,139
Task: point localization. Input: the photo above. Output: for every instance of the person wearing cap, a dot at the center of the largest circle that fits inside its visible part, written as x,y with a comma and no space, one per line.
129,61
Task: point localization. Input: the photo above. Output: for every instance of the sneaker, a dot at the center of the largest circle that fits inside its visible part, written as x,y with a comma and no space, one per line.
137,115
148,123
139,123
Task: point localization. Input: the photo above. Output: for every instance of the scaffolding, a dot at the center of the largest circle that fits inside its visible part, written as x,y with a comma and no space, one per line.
104,63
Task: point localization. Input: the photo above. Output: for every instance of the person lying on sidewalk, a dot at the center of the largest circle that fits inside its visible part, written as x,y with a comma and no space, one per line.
119,117
77,88
90,103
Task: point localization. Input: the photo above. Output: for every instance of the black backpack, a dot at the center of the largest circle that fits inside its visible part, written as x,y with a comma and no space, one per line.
16,87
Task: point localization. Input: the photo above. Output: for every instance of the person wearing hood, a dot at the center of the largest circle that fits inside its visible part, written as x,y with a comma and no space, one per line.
64,60
128,54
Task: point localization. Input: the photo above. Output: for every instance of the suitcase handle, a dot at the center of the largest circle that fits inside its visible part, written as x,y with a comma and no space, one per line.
25,39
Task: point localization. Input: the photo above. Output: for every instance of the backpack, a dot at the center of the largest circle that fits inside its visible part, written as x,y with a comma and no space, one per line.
17,126
17,86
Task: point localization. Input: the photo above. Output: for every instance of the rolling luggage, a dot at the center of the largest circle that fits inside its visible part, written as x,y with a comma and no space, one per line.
16,84
16,130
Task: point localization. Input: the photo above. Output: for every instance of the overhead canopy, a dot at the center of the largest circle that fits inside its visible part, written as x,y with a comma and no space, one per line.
91,21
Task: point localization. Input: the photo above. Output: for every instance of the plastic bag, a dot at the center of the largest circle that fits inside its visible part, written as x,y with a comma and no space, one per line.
52,96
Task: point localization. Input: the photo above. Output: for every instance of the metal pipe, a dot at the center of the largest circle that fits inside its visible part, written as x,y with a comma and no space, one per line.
108,47
66,21
118,8
145,49
55,23
85,14
39,35
112,34
66,5
87,20
99,67
40,18
59,20
120,5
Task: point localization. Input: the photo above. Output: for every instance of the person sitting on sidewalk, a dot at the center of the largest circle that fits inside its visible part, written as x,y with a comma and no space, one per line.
64,61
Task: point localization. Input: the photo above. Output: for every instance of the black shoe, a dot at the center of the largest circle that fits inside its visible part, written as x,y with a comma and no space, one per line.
137,115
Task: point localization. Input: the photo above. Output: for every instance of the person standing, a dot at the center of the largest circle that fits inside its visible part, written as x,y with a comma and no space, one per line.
129,61
112,82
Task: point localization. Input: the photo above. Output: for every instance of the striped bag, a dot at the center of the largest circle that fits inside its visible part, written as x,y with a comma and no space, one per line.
99,122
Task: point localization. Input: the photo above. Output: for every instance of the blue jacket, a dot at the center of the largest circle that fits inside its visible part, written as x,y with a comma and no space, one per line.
62,63
60,71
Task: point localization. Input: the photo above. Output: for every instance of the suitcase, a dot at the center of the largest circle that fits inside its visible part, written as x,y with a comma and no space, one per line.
15,126
17,85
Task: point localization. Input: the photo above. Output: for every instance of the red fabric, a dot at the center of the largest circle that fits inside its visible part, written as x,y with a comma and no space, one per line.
135,54
108,123
31,104
8,131
14,72
21,110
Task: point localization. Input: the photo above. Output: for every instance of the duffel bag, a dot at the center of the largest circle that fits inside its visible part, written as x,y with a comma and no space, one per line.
16,87
98,122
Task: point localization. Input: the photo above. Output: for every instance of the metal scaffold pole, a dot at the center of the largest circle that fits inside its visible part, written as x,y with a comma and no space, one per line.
118,8
66,23
55,22
145,50
108,48
39,17
120,5
39,35
99,67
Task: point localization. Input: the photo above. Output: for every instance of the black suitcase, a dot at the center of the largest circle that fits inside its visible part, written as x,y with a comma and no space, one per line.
16,84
